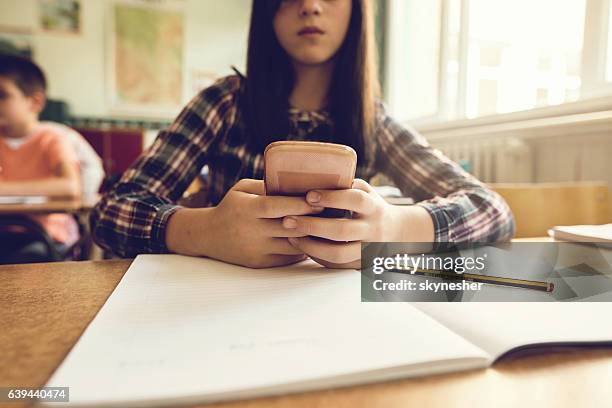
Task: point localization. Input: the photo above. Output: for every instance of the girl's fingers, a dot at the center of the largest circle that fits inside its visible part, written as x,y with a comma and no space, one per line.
274,228
351,265
334,252
281,246
353,199
336,229
361,184
250,186
280,206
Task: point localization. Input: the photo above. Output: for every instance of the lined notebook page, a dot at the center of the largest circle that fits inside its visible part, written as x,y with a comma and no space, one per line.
179,329
501,327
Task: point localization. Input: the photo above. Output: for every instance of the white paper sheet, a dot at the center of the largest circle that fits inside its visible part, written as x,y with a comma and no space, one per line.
500,327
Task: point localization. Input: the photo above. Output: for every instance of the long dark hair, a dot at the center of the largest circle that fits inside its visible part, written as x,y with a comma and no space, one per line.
270,80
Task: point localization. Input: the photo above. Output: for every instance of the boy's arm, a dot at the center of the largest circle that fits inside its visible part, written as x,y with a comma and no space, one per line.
63,172
64,183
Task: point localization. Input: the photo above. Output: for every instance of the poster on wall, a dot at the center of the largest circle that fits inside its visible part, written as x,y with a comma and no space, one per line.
145,51
61,16
16,42
201,79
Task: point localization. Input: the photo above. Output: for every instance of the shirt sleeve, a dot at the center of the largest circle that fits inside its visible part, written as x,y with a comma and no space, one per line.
132,217
463,209
92,170
59,151
90,164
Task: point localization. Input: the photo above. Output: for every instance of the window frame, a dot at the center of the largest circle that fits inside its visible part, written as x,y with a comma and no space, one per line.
593,65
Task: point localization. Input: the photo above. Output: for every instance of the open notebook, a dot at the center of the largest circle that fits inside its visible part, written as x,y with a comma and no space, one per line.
182,330
600,234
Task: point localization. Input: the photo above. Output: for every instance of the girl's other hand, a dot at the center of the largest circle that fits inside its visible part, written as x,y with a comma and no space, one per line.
374,220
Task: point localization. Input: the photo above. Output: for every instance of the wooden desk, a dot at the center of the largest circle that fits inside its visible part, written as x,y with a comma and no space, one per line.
44,308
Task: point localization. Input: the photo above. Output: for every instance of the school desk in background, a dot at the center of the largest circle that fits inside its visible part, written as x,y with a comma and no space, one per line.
14,212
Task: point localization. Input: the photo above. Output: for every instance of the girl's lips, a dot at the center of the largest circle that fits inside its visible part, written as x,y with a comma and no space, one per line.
310,31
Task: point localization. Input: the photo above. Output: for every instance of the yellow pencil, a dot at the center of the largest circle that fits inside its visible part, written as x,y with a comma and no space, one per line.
471,277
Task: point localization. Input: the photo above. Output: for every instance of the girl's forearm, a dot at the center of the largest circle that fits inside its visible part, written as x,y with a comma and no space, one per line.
414,224
51,187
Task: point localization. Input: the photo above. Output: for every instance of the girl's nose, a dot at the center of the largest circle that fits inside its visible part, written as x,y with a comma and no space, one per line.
310,8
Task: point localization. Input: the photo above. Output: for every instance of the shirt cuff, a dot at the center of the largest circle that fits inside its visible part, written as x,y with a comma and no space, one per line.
157,244
441,225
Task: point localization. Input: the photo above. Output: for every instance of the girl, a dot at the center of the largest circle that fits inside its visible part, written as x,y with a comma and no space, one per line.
310,76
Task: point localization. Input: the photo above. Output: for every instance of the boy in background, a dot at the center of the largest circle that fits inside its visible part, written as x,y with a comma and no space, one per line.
34,159
91,170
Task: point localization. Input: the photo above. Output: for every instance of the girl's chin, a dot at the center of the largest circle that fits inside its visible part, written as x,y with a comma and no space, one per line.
312,60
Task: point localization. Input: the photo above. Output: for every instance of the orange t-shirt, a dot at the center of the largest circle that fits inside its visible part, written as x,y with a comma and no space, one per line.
36,158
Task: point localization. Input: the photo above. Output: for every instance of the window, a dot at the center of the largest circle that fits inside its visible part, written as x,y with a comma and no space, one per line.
522,54
458,59
413,78
609,47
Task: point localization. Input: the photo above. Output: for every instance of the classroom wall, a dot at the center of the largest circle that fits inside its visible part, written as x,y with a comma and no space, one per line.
215,38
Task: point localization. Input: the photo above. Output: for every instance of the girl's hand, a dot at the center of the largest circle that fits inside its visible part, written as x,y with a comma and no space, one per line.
374,220
244,229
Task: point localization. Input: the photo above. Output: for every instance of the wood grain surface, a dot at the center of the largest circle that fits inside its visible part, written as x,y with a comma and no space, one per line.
44,308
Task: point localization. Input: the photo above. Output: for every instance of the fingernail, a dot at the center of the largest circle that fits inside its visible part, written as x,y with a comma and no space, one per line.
289,222
313,196
317,209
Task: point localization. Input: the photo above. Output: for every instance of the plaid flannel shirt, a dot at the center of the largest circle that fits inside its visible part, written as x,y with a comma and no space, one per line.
132,217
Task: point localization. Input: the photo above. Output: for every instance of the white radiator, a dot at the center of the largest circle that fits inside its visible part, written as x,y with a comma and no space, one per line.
493,159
